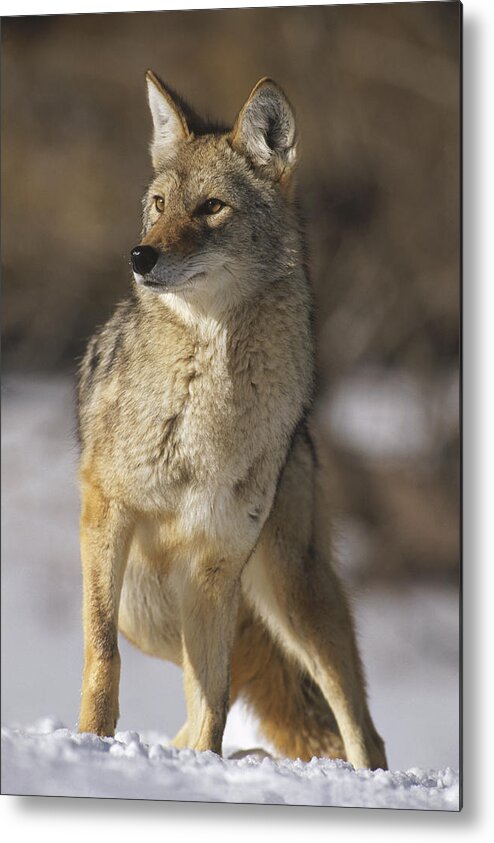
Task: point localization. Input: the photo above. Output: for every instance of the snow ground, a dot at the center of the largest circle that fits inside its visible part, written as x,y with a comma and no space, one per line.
51,760
409,643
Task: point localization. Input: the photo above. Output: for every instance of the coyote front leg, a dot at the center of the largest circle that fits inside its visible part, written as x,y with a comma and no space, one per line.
209,616
105,535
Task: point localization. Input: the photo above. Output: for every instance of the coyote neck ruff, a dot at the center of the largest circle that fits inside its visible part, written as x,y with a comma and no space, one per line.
204,530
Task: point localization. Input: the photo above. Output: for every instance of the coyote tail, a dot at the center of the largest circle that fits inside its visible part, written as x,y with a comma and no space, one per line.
293,714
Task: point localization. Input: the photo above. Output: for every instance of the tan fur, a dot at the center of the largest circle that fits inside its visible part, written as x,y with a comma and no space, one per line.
204,525
293,714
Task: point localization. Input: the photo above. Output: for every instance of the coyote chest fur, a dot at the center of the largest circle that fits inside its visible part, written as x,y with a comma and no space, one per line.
204,533
195,419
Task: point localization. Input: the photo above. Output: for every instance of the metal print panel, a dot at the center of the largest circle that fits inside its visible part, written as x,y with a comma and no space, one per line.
231,269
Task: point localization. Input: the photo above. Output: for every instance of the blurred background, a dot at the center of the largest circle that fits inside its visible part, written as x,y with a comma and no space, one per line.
376,93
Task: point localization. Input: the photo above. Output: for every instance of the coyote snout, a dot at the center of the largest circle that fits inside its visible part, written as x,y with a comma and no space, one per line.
143,259
204,524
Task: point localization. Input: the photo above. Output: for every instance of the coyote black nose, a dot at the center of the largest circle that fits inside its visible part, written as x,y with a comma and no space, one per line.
143,259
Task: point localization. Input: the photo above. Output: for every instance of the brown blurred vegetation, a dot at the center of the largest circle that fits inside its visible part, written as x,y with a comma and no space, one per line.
376,93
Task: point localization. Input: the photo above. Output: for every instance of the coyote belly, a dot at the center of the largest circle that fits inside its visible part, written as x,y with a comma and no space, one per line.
204,525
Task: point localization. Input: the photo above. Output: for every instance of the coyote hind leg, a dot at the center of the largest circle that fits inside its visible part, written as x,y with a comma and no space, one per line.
312,622
290,583
292,711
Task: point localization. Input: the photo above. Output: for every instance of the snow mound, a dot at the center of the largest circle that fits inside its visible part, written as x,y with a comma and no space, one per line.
50,760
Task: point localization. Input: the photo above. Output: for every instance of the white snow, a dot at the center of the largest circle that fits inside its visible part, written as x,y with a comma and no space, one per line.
392,416
409,641
51,760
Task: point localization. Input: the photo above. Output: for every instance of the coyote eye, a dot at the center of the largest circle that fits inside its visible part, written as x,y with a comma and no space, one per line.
212,206
159,203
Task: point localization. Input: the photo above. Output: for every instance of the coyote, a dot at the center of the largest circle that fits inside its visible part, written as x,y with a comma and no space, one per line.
204,521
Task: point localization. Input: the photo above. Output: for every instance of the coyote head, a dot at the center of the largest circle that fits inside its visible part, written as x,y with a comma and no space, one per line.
219,223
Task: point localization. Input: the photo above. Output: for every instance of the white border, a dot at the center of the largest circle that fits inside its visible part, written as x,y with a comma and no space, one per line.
61,7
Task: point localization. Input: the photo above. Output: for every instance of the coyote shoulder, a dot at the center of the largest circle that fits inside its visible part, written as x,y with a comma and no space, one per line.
204,524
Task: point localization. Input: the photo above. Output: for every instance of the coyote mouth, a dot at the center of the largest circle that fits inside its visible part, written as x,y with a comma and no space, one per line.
165,287
154,284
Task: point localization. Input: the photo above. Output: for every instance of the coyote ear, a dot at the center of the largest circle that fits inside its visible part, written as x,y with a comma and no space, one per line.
169,123
265,130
